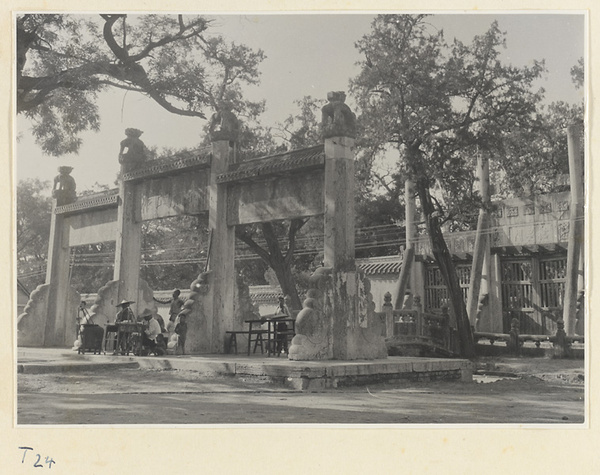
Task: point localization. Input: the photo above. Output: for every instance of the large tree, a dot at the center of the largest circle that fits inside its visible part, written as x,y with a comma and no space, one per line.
64,61
33,229
438,105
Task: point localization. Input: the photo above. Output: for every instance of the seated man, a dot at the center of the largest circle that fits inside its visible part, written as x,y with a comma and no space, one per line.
150,334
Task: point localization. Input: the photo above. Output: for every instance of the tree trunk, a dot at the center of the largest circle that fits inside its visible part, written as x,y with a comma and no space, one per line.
282,264
443,259
286,280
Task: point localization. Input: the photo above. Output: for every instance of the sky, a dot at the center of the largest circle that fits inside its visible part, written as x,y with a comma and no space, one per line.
306,54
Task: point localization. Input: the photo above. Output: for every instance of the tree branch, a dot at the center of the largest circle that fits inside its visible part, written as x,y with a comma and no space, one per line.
295,226
247,239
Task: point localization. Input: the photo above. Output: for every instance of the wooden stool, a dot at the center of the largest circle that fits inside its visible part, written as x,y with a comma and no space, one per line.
232,343
258,340
110,335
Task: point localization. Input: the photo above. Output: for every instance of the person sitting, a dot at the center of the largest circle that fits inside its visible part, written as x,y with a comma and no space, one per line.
181,331
150,334
83,318
125,314
160,320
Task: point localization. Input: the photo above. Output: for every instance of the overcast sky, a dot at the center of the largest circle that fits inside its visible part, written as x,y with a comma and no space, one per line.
308,54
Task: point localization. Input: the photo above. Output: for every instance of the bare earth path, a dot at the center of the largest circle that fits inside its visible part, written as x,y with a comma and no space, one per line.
545,392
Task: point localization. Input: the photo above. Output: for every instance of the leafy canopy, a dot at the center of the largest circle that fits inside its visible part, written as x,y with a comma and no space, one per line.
65,61
439,104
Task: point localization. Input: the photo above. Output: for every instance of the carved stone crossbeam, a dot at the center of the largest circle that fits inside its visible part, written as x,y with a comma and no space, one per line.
169,165
96,201
281,164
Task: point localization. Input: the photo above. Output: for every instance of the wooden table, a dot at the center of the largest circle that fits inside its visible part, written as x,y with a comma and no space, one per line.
129,338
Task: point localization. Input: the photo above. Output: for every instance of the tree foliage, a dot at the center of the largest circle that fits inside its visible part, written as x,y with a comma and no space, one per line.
534,160
65,61
32,230
439,105
304,128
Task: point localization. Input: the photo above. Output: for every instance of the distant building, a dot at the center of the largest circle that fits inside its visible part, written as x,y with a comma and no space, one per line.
526,273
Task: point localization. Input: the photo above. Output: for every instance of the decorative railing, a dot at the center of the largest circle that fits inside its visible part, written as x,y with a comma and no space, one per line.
414,323
514,341
492,338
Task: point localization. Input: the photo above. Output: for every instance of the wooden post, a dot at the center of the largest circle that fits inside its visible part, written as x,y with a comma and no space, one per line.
481,238
514,345
576,225
495,302
409,253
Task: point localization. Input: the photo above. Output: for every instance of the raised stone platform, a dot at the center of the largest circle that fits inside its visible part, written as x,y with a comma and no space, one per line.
302,375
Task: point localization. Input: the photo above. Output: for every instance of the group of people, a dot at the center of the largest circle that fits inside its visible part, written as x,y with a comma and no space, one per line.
156,336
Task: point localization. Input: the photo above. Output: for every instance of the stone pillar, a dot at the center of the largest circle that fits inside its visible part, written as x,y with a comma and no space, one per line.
128,243
349,328
49,318
576,226
60,316
218,302
339,237
339,203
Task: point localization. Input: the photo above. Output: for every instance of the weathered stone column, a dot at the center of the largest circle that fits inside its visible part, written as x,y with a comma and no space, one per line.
218,302
59,328
338,318
48,319
339,238
129,236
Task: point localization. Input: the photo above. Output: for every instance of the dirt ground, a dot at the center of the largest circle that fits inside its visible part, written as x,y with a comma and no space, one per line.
505,390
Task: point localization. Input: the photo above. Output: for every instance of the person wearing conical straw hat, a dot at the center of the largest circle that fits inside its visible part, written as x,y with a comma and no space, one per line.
125,313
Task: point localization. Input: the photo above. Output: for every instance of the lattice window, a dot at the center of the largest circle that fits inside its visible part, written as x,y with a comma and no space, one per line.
532,291
436,293
517,289
553,274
